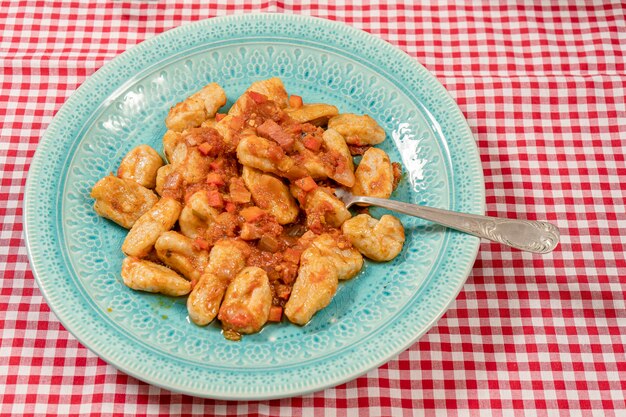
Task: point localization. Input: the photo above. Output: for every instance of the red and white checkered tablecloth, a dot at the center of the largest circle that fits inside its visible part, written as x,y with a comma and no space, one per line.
542,86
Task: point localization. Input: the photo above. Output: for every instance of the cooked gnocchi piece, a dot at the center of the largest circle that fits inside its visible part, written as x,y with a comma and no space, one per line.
374,175
315,286
272,89
209,123
345,258
317,114
196,109
330,207
147,276
170,183
379,240
247,302
271,194
226,259
179,253
343,171
229,127
266,156
122,200
161,177
147,229
171,139
204,301
357,130
312,163
141,165
197,215
190,163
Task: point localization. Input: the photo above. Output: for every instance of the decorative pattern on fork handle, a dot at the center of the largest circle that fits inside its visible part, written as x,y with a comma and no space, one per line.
527,235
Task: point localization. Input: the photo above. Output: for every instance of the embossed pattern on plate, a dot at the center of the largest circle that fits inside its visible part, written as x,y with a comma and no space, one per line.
76,256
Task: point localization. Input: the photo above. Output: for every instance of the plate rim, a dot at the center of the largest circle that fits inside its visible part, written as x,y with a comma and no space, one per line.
35,169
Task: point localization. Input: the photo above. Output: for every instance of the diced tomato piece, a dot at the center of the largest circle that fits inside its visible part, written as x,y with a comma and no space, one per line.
213,178
230,207
307,184
236,123
250,231
275,153
219,116
316,223
173,186
200,243
215,199
292,255
276,313
294,129
205,148
238,191
325,207
217,165
295,101
312,143
257,97
252,214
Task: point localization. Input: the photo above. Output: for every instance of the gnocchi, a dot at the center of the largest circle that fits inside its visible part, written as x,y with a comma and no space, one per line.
322,203
272,89
162,178
122,200
147,229
197,215
315,286
266,156
193,111
204,301
271,194
374,175
316,114
344,257
243,218
380,240
227,258
141,165
171,139
357,130
247,302
343,171
178,252
147,276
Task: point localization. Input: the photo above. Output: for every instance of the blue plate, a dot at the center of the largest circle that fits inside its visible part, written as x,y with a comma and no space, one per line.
76,255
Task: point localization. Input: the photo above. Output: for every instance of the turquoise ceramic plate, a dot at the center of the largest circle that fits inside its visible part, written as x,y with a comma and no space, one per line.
76,255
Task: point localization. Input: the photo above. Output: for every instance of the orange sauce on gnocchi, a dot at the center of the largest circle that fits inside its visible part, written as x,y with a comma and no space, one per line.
273,247
247,224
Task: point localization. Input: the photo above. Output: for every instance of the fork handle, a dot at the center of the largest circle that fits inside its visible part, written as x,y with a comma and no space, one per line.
526,235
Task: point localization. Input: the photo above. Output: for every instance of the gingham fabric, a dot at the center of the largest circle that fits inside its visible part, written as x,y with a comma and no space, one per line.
542,86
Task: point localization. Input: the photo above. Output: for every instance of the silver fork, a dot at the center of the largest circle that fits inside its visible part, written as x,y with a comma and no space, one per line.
526,235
